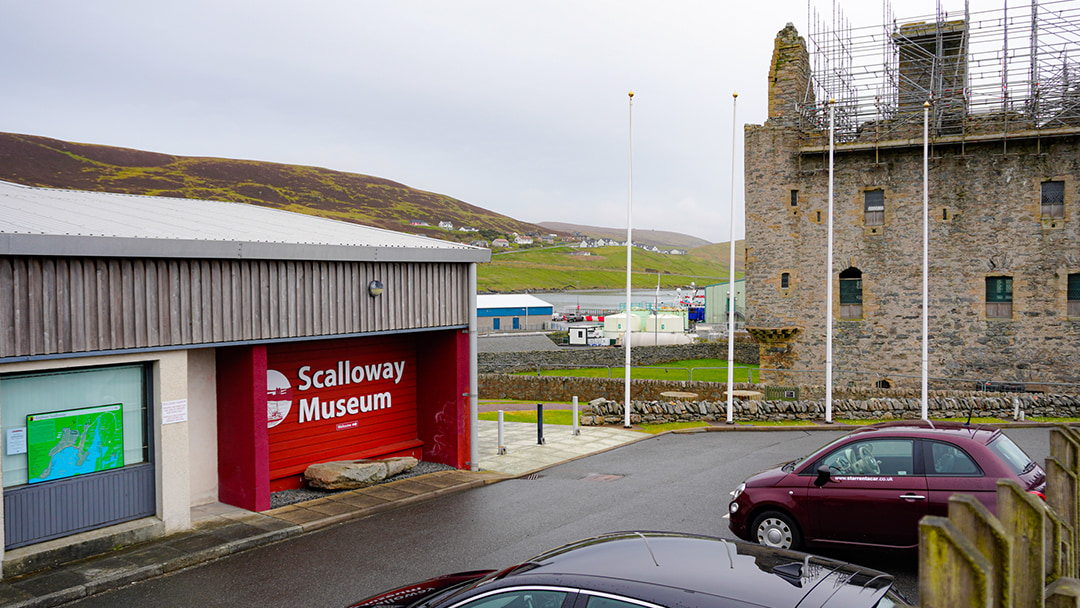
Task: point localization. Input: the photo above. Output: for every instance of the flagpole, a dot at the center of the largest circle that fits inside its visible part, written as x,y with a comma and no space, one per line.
925,257
731,279
829,272
629,245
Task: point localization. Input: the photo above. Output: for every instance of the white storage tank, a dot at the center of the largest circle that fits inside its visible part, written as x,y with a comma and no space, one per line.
662,323
615,325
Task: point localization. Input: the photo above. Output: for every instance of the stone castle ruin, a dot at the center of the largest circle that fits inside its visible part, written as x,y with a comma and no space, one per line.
998,94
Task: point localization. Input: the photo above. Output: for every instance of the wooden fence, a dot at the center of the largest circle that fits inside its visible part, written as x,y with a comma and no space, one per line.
1023,558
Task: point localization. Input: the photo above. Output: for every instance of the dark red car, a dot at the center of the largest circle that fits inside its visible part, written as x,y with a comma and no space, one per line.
872,486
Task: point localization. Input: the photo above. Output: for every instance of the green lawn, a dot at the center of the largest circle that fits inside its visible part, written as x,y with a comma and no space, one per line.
564,417
701,370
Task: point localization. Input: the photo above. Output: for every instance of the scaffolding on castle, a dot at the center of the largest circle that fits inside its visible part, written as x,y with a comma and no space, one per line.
985,73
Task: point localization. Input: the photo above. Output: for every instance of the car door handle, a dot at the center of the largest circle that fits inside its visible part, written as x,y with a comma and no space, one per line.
912,497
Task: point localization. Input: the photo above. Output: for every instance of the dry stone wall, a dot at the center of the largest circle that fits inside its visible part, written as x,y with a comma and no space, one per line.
606,411
605,398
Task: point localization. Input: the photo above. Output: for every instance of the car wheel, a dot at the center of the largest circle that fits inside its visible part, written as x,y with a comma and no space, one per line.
776,529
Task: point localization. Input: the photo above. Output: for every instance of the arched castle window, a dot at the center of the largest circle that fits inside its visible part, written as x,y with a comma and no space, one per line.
851,294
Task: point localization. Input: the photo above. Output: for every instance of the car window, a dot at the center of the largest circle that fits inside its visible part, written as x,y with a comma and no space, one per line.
1011,453
596,601
891,600
520,598
873,457
947,459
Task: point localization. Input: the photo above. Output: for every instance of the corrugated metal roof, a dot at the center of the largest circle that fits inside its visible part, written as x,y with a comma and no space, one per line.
44,221
510,300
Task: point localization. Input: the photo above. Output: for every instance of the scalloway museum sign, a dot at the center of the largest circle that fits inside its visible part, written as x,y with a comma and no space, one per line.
339,400
280,396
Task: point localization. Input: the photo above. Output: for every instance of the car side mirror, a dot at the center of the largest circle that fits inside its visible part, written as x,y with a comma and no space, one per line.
823,476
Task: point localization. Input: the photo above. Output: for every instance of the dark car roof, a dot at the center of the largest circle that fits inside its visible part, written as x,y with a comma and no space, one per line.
979,433
662,567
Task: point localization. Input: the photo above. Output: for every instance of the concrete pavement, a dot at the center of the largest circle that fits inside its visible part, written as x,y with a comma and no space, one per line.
56,576
220,530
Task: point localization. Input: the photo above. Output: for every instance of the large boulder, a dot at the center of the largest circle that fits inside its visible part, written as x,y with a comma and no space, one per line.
352,474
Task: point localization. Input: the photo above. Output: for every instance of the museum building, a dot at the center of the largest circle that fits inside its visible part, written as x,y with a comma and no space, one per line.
157,354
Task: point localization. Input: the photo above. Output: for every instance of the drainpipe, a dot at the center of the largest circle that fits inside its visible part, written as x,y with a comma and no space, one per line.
474,448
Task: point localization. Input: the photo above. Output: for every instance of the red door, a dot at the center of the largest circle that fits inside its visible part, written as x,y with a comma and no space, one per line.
949,469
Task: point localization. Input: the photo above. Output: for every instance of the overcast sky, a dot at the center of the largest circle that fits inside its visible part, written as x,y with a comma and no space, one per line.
517,107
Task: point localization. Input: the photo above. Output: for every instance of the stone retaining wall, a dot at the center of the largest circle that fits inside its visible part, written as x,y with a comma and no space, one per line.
565,388
606,411
746,353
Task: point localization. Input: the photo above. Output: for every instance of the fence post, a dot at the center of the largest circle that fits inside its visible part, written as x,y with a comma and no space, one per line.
1063,593
952,570
502,446
1061,495
975,521
1024,519
1063,485
539,424
577,431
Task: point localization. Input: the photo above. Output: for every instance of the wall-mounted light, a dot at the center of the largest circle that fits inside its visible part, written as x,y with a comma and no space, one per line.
375,288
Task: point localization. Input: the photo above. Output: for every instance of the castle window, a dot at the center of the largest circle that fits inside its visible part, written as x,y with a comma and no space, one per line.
1074,295
1053,199
874,207
794,198
851,294
999,297
785,280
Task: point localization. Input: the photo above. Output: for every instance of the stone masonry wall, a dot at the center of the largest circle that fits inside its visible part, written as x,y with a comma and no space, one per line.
985,221
746,353
605,396
603,411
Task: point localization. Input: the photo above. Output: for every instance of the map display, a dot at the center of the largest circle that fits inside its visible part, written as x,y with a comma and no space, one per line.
74,442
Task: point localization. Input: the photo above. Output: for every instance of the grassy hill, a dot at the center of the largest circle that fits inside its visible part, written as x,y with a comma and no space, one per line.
372,201
659,238
560,268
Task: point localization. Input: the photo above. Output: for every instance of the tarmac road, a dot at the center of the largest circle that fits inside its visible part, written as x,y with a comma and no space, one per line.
675,482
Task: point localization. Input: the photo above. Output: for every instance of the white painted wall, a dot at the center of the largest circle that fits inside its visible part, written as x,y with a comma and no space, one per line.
202,426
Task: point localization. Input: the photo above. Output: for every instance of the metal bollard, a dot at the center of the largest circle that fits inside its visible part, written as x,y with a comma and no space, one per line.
502,447
577,431
539,424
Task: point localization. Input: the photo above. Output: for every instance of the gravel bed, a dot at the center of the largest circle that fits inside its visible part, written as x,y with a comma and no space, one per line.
289,497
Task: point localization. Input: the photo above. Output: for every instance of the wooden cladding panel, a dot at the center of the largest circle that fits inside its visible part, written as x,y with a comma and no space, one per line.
70,305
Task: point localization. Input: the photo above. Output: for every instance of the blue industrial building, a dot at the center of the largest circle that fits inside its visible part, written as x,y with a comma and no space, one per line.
512,312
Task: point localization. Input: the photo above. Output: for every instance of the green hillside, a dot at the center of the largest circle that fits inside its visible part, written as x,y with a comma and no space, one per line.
559,268
351,197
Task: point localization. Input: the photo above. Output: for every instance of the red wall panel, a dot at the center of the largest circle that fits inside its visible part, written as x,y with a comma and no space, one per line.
241,426
340,400
444,419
